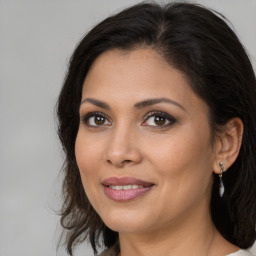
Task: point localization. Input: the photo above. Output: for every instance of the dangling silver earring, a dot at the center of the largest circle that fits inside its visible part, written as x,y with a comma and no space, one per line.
221,186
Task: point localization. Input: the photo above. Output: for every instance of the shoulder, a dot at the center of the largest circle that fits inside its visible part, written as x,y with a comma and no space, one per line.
241,253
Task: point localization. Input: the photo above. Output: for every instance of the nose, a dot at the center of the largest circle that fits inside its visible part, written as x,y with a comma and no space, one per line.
122,148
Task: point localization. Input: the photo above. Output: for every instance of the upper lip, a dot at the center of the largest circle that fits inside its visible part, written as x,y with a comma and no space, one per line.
122,181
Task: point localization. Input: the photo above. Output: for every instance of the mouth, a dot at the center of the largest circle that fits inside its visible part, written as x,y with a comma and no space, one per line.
126,188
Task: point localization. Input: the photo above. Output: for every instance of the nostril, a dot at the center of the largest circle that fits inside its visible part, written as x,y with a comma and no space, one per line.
122,163
124,156
126,161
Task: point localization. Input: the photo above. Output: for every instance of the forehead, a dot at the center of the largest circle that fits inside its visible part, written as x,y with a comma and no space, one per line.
142,71
122,79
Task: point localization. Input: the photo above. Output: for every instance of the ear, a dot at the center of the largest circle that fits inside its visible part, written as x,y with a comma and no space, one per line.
228,143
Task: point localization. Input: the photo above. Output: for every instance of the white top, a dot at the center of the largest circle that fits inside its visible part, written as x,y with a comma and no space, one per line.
241,253
114,252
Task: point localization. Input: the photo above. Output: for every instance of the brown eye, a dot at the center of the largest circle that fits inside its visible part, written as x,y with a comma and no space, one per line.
99,120
160,120
96,119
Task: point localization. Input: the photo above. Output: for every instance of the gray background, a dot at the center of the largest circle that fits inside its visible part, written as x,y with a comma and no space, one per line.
36,39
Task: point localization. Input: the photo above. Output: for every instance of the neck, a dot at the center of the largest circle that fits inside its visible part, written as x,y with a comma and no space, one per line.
192,235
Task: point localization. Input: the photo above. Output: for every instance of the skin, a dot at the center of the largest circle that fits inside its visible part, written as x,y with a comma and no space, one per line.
178,157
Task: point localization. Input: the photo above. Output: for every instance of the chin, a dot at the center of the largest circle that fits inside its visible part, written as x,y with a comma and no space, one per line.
126,221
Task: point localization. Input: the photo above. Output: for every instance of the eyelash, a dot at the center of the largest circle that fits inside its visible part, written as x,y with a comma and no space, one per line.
155,114
86,118
171,120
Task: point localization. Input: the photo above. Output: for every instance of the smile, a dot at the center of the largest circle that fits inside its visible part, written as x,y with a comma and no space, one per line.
125,189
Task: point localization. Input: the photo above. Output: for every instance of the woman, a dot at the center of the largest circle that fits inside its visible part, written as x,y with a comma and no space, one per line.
157,120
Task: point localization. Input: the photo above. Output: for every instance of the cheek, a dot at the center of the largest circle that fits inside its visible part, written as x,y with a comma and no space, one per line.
88,158
179,152
86,152
185,162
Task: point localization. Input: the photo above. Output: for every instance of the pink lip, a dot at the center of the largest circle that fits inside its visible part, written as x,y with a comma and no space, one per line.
125,195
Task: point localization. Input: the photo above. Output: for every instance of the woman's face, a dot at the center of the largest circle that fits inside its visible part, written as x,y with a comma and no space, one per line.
144,146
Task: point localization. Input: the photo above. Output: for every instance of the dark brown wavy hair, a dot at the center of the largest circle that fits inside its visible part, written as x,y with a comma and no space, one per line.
198,42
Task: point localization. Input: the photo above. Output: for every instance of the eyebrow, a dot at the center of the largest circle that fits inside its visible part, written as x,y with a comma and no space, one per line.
139,105
97,103
150,102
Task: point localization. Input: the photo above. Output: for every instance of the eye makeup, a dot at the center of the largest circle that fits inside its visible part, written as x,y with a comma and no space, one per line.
158,119
95,119
154,119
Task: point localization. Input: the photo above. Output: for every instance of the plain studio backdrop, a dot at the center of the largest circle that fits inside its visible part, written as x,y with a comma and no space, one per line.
37,38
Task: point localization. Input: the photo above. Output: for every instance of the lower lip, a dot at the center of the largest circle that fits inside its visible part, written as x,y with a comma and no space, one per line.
125,195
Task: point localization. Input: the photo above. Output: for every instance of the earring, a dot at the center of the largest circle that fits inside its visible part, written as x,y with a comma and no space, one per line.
221,186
